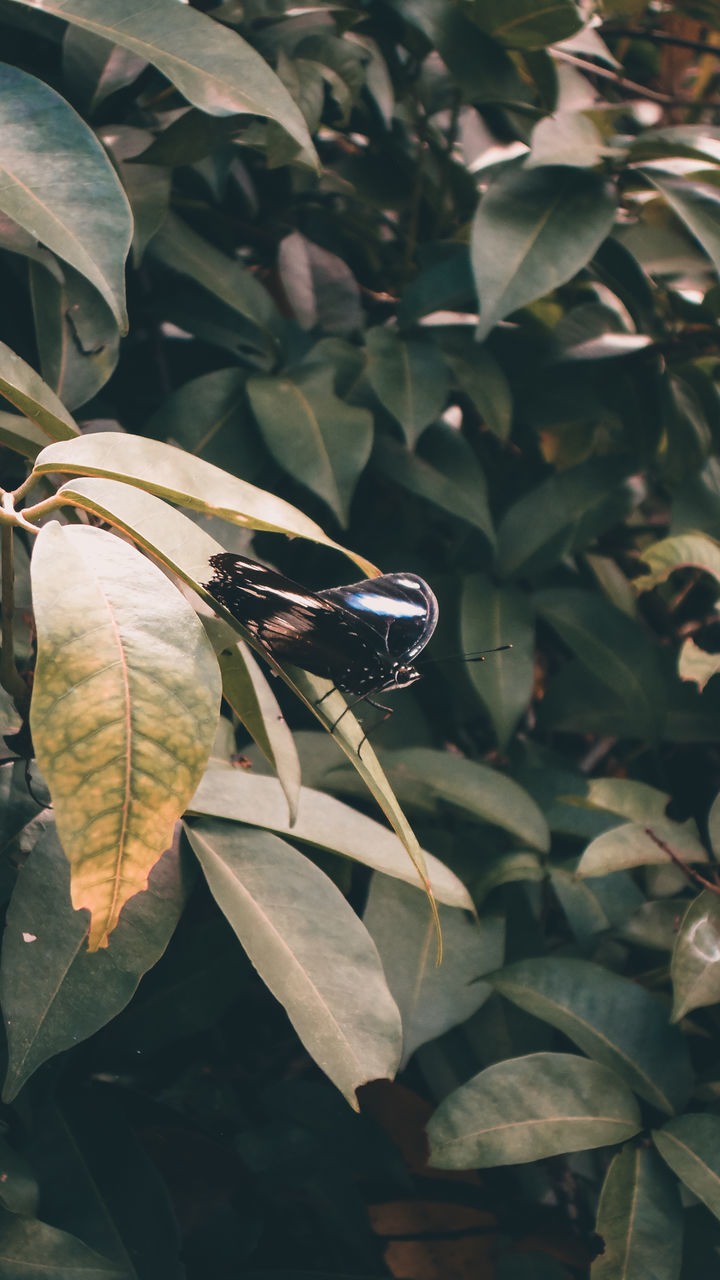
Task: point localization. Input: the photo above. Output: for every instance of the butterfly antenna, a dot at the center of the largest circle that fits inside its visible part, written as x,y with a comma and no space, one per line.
465,657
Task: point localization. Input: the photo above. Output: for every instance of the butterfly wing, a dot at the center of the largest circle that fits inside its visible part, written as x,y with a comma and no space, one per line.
292,623
399,608
275,609
355,636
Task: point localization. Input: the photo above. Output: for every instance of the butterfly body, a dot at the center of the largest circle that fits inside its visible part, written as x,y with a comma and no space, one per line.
363,637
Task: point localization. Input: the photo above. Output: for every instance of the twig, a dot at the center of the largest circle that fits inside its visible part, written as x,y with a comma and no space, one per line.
682,866
665,99
661,37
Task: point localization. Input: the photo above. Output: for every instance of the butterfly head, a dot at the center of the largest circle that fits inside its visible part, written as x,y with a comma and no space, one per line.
401,675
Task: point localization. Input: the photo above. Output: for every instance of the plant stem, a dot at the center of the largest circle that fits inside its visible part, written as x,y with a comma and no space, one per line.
40,509
686,870
661,37
10,677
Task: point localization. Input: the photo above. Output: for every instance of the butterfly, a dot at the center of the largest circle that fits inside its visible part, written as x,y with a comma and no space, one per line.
362,637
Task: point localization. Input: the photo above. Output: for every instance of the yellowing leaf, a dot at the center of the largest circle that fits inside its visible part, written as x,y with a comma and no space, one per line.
123,714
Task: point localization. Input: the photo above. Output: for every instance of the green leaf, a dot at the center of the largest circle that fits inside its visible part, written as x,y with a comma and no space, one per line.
24,388
55,992
77,336
585,914
612,647
32,1250
431,998
523,1109
422,776
458,488
630,846
534,230
147,186
49,159
247,691
613,1020
190,482
210,418
83,1138
492,616
409,378
563,513
690,1144
185,251
18,1188
124,709
321,821
637,801
713,825
695,967
321,440
482,379
567,137
208,62
93,68
508,868
20,435
696,203
685,551
310,949
484,71
525,24
319,286
640,1220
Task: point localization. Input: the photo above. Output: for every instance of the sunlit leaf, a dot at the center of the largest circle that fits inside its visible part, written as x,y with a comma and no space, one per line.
323,821
170,473
124,707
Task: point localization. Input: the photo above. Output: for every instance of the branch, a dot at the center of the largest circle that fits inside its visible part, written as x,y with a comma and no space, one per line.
652,95
691,874
661,37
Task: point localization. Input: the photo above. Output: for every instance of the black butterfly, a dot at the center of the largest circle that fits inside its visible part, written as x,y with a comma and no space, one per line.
363,637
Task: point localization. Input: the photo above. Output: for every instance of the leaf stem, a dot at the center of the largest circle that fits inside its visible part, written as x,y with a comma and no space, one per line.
40,509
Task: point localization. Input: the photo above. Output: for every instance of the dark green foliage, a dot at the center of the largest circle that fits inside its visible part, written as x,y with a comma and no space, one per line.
431,286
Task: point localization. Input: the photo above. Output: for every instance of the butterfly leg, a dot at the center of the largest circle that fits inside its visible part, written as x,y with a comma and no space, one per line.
380,706
326,695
